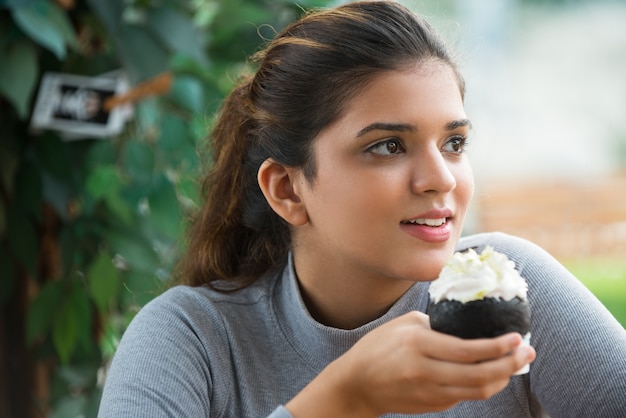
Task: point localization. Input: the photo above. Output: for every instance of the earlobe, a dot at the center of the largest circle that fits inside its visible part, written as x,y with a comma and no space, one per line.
277,183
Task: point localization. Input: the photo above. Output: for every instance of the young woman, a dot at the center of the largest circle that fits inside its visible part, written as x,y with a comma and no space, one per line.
338,188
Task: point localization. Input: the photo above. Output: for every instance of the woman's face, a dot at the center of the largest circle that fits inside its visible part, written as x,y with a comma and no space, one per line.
393,182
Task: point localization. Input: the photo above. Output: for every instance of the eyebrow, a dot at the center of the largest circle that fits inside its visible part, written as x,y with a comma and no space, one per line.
381,126
405,127
458,124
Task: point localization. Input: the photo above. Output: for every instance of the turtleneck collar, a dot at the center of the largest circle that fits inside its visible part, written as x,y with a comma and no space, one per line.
319,344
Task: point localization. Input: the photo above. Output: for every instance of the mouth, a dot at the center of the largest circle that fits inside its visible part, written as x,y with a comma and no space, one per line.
433,229
431,222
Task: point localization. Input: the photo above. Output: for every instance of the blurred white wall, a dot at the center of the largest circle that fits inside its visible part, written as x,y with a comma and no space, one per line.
546,84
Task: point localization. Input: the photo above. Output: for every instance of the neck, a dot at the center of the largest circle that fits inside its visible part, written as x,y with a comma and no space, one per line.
347,301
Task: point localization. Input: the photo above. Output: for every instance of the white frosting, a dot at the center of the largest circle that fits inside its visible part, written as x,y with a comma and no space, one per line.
469,276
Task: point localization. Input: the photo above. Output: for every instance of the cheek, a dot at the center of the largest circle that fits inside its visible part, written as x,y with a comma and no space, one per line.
464,184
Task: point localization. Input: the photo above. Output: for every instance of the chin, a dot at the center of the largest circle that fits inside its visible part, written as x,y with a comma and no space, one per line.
430,263
425,269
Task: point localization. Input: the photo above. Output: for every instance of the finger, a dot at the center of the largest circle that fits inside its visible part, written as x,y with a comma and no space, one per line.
457,350
415,318
467,375
433,397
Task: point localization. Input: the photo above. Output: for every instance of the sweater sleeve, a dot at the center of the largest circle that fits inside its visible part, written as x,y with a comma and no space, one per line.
580,369
160,368
176,359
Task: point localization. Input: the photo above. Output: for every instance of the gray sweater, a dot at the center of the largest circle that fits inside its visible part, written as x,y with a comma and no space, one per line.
193,352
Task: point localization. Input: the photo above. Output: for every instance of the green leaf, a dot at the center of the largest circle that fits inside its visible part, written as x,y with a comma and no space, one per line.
70,406
138,159
65,327
80,375
65,332
60,20
141,54
103,281
136,251
93,403
101,153
108,11
188,92
47,24
41,310
199,126
181,64
110,338
18,75
165,208
234,35
189,189
119,206
143,57
22,238
139,289
174,135
7,279
148,114
82,311
177,31
103,181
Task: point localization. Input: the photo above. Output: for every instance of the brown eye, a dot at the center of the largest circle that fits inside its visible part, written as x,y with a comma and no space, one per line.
455,145
387,147
392,147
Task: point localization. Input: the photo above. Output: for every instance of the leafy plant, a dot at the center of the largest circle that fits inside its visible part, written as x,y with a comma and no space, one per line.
90,228
605,277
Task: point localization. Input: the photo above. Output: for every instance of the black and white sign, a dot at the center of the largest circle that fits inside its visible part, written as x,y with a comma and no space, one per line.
74,105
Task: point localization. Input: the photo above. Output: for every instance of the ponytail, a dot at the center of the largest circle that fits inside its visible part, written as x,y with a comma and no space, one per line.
236,236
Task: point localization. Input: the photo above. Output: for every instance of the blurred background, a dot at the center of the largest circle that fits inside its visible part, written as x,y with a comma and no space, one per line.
104,105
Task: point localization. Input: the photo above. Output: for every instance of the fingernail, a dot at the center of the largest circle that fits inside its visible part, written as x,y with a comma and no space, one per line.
528,352
515,338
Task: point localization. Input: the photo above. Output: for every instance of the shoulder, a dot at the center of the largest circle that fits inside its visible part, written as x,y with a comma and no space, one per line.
189,304
513,246
528,257
548,280
179,347
181,314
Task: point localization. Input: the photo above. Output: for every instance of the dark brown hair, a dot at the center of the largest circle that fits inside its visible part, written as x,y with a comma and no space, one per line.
304,78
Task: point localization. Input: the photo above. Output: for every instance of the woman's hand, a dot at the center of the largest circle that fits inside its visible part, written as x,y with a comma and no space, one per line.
405,367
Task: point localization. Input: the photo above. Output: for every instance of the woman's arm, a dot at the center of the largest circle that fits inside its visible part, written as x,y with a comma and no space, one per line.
405,367
580,369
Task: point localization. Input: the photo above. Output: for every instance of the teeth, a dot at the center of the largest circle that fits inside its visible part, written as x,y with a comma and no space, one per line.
429,222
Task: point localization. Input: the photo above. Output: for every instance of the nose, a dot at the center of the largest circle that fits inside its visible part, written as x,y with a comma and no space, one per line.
432,173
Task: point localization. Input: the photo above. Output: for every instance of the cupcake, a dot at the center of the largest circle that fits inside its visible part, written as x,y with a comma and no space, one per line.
479,296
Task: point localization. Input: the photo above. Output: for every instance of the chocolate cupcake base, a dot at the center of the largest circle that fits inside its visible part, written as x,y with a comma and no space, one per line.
485,318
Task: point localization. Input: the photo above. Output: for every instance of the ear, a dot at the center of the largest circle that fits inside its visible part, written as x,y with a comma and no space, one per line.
279,186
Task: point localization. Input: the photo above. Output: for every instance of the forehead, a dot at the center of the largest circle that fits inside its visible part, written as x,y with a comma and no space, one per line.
423,95
420,90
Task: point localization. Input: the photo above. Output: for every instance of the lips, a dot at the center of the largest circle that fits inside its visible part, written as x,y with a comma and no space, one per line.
431,226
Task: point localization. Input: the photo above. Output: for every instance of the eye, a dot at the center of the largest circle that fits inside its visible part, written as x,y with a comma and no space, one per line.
456,145
391,146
